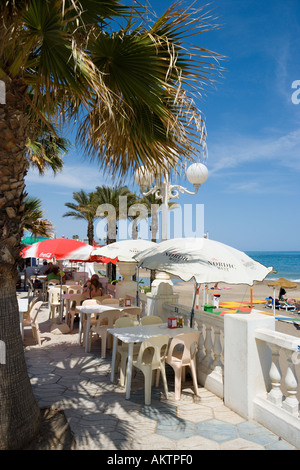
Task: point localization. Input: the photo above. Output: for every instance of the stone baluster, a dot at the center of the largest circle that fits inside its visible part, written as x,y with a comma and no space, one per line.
217,364
201,347
291,404
275,394
208,344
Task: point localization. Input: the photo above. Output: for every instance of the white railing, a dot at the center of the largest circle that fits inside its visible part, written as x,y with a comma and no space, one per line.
278,407
210,357
280,342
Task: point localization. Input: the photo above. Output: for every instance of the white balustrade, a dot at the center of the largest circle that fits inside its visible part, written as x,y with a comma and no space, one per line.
278,342
275,395
291,403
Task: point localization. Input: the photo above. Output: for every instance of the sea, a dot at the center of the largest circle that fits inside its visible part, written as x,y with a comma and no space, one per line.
286,263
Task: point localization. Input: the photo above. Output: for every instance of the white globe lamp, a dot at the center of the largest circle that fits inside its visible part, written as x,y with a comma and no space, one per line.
143,177
197,174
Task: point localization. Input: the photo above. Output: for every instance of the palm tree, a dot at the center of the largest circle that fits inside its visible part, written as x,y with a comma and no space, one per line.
84,209
108,199
110,206
34,222
130,92
45,151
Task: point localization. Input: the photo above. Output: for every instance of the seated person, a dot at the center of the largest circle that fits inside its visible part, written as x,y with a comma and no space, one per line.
93,288
49,268
55,273
281,293
44,268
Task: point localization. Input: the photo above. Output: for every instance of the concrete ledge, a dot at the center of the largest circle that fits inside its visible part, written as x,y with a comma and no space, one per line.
277,420
211,381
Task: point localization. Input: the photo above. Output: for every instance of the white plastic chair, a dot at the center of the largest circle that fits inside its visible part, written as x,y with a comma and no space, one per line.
182,353
32,319
74,301
54,302
151,357
52,282
110,300
74,289
33,290
105,321
132,311
33,301
122,348
90,302
101,298
151,320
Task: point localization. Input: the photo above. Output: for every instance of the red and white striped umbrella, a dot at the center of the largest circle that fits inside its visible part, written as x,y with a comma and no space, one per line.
59,248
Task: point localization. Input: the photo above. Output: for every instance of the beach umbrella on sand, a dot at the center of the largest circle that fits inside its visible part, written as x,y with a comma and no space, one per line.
281,282
203,260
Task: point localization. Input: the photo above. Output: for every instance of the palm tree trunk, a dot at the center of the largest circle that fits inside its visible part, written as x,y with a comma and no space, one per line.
20,414
90,232
111,269
154,230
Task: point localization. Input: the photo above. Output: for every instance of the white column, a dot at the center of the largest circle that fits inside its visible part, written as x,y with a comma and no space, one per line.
127,285
243,377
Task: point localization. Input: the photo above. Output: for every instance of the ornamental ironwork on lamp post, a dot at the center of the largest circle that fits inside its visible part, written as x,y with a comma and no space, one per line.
196,174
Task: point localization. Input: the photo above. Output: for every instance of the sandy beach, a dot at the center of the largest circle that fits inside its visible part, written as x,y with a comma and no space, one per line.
242,293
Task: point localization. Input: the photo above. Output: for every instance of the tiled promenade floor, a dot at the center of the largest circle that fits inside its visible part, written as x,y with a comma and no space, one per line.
63,376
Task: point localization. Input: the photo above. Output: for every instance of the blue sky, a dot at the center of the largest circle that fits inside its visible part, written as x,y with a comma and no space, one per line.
251,197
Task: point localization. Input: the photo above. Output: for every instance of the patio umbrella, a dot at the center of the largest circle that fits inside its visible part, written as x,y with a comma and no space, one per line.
281,282
60,249
125,250
204,260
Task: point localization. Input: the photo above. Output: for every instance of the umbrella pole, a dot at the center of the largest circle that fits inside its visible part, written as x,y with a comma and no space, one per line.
251,297
61,299
274,301
193,306
203,296
137,286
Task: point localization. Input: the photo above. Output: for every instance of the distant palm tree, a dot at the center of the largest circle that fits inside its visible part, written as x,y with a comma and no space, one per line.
109,197
34,221
84,209
108,200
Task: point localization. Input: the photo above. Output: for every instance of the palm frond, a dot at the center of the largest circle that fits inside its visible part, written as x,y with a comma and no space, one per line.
34,221
154,80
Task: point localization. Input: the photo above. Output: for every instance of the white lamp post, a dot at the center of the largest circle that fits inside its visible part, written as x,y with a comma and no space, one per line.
196,174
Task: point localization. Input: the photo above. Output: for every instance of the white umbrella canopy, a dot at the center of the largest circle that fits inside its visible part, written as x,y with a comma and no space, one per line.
204,260
124,250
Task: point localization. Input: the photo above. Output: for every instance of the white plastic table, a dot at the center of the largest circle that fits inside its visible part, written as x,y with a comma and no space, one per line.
89,310
137,334
23,307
